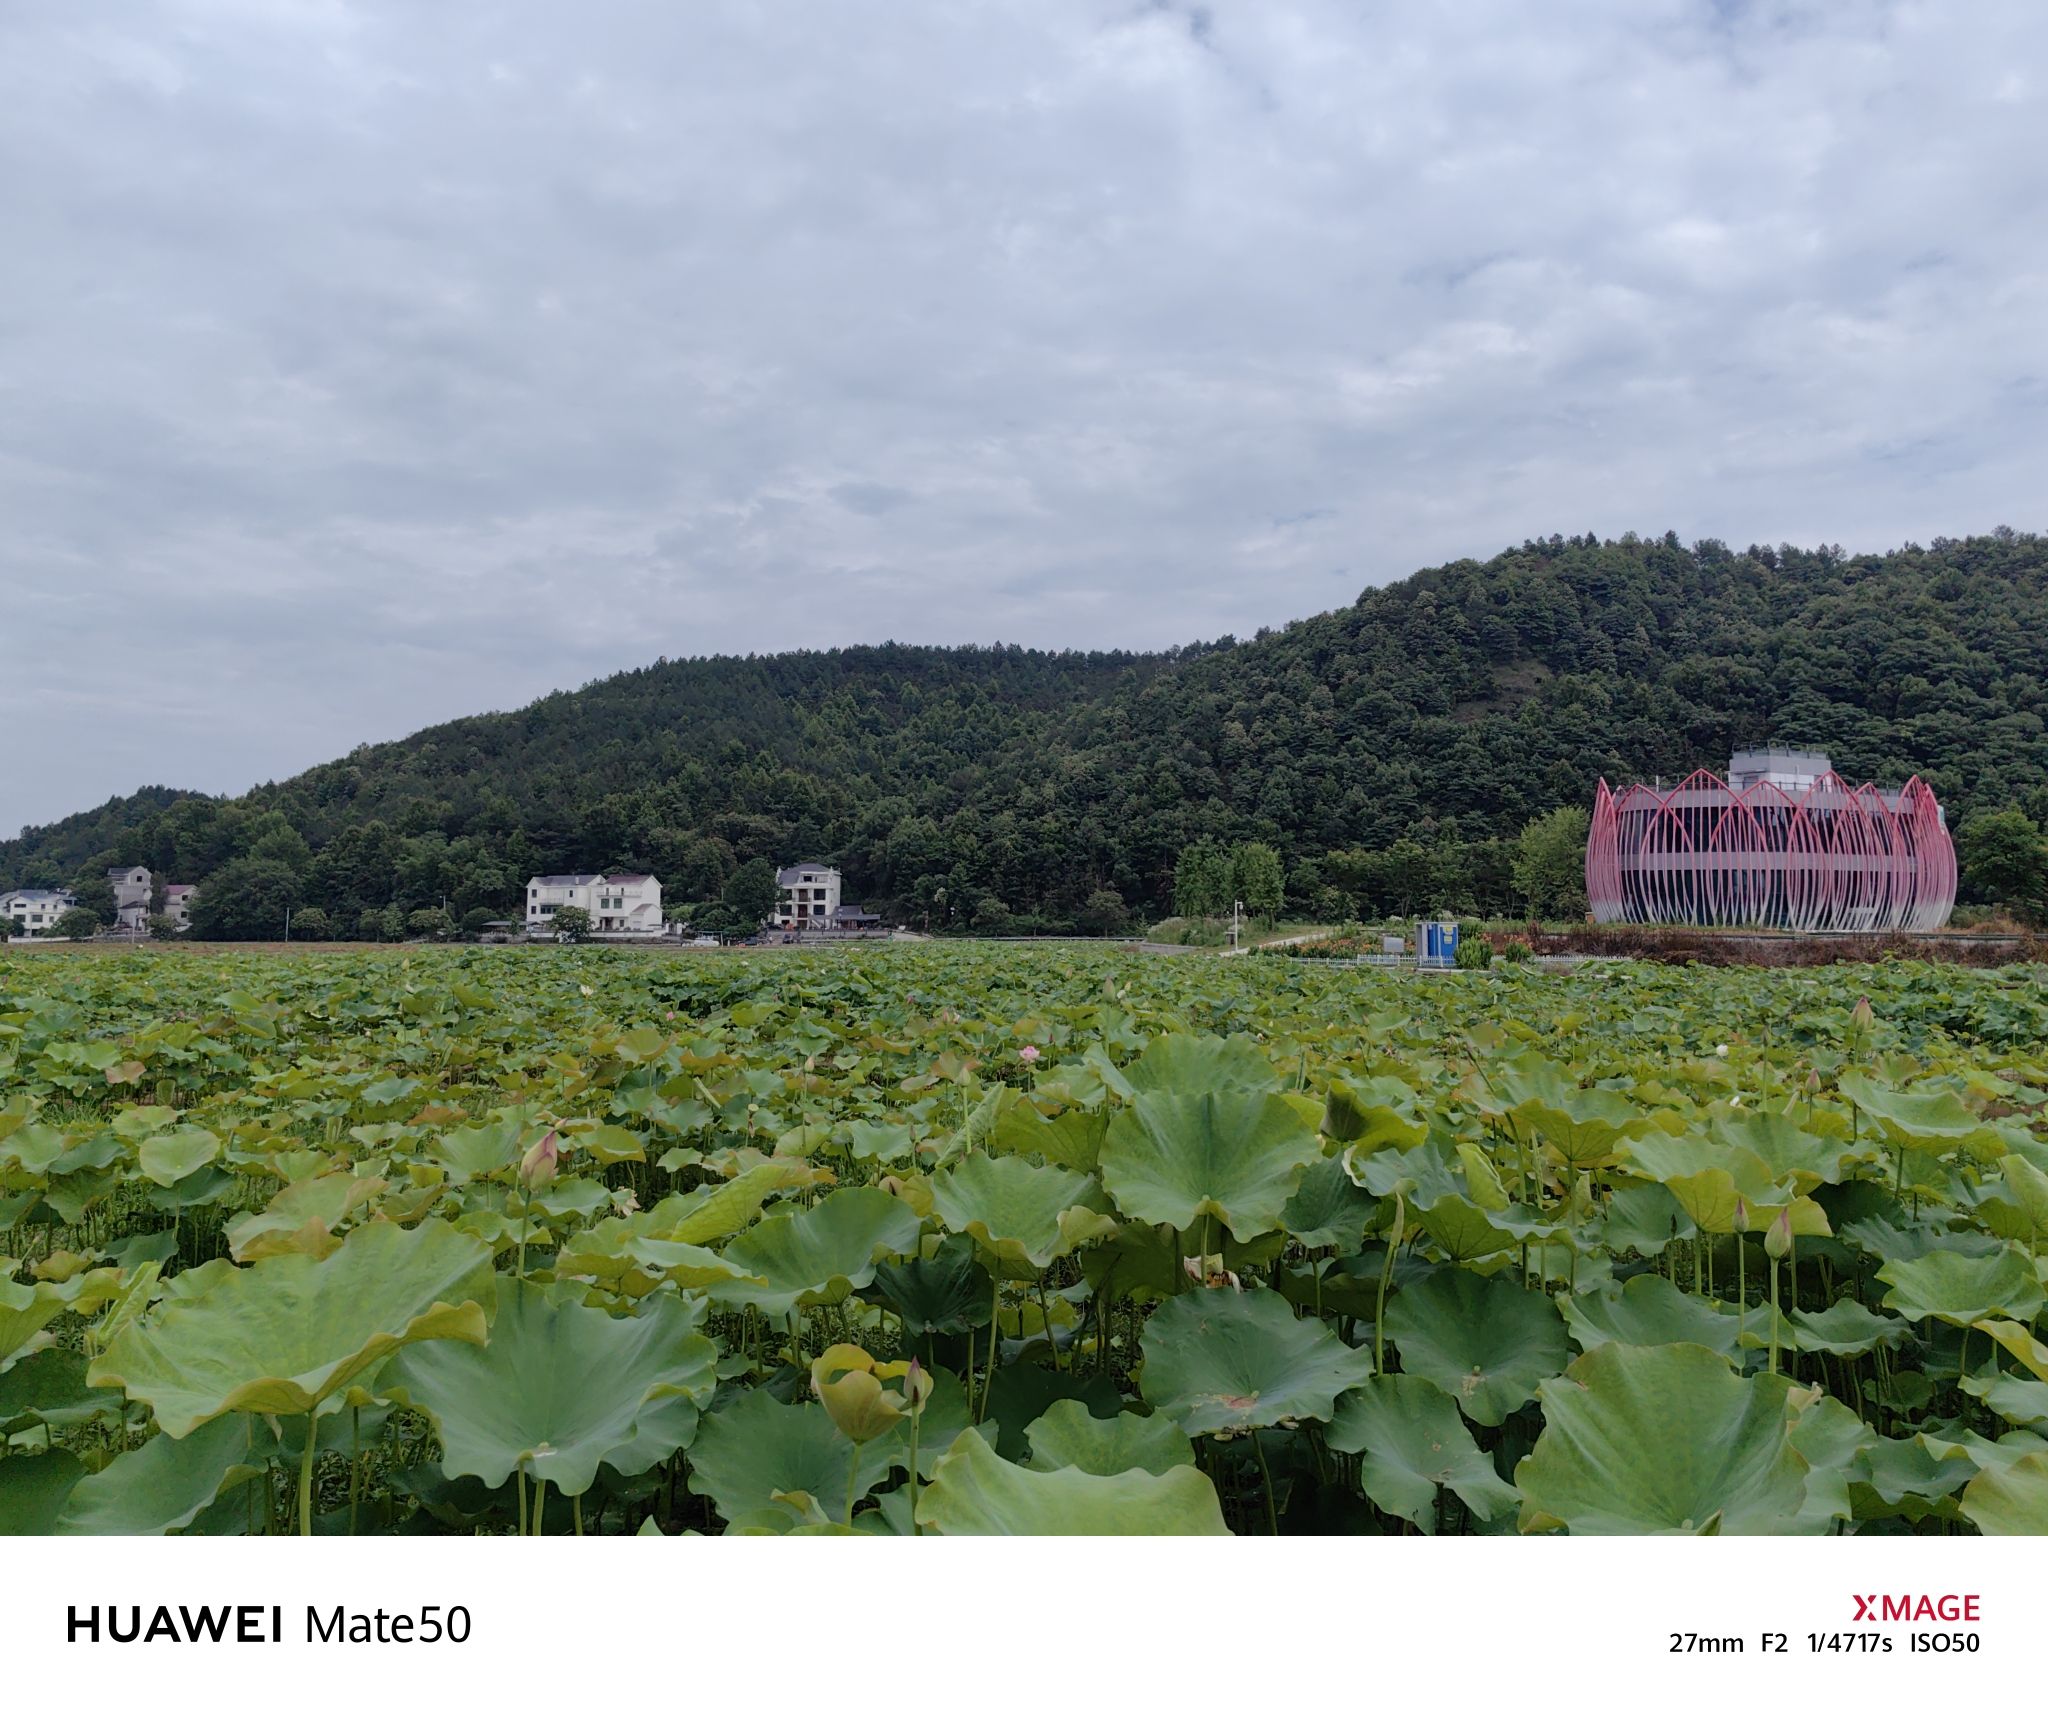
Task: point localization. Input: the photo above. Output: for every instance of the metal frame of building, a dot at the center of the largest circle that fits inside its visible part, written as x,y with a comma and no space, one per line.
1825,858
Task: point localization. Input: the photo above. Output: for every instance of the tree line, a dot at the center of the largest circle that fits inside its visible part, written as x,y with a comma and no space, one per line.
1389,754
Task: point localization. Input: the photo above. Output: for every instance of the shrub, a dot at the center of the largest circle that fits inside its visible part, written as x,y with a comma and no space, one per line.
1475,951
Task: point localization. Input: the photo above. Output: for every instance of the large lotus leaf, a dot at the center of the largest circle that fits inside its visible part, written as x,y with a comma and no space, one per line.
721,1210
1845,1327
1368,1115
173,1154
301,1216
755,1447
2018,1342
2010,1500
1072,1138
1465,1232
1963,1288
2024,1402
974,1491
1835,1443
561,1388
822,1255
1222,1361
1412,1441
33,1149
940,1293
1791,1154
33,1488
1171,1158
1421,1176
165,1483
1068,1436
1940,1114
1665,1439
1644,1218
1650,1310
283,1335
25,1309
49,1388
1583,1128
478,1150
1485,1341
1018,1212
1190,1064
1328,1210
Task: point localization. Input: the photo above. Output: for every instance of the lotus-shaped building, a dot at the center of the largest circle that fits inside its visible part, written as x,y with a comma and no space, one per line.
1782,842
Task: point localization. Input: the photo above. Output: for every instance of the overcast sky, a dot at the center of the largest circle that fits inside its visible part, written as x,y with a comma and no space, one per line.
368,364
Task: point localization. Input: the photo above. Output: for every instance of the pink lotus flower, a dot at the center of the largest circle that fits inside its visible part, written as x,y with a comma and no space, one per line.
537,1167
1029,1054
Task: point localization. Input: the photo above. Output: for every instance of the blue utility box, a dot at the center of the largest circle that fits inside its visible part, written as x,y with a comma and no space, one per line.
1436,943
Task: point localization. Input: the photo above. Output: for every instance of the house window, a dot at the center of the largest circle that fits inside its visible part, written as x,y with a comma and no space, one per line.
547,909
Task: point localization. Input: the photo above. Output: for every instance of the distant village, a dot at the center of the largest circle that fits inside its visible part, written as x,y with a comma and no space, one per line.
611,906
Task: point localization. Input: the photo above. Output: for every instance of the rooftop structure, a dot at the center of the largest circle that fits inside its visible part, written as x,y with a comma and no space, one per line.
1783,842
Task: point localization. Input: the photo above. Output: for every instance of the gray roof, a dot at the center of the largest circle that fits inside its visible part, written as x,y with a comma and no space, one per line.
36,895
794,876
565,879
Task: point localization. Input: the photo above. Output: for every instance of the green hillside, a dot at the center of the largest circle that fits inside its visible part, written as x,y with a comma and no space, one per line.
1431,718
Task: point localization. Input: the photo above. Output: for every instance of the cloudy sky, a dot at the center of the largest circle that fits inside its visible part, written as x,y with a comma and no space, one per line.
365,363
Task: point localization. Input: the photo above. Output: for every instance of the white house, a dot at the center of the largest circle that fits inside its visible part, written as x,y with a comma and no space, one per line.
810,895
178,902
622,905
131,897
34,909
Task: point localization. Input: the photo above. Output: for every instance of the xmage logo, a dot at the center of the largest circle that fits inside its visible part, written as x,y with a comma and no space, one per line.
1915,1608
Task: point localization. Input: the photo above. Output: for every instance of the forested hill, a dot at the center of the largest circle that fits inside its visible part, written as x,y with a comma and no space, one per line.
1440,713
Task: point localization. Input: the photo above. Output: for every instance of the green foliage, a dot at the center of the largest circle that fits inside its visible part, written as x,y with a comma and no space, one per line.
1391,751
1202,880
752,894
1256,870
1550,863
462,1241
2003,859
1475,951
246,899
311,923
75,923
572,922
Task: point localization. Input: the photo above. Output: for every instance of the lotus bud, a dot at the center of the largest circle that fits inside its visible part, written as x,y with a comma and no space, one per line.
917,1385
1029,1054
1741,1220
1861,1016
537,1166
1778,1239
1812,1083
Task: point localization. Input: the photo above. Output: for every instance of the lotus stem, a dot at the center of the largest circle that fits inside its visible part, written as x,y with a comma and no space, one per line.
853,1480
306,1477
1773,1265
576,1512
1045,1313
1379,1318
915,1414
1266,1484
519,1475
355,1463
540,1502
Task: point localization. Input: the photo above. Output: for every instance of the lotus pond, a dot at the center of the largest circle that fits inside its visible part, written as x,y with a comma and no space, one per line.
972,1239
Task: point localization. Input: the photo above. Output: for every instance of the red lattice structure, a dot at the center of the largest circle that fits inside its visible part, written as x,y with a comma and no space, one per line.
1794,847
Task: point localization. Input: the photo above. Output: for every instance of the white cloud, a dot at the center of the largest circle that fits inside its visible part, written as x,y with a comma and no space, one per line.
345,350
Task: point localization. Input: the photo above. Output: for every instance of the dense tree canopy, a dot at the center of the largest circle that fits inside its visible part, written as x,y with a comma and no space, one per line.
1389,753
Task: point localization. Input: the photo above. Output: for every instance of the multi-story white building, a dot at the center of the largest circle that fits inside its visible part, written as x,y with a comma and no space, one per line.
810,895
622,905
132,887
34,909
178,902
